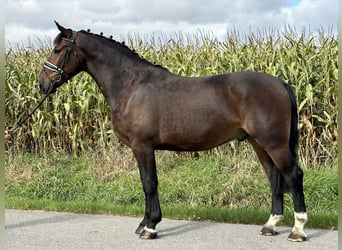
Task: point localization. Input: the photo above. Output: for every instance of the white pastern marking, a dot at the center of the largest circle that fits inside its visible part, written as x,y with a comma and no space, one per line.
273,221
150,230
300,221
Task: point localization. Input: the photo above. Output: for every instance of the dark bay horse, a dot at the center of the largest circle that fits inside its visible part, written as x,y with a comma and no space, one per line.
153,109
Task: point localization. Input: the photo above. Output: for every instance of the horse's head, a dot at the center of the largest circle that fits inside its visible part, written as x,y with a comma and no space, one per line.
62,63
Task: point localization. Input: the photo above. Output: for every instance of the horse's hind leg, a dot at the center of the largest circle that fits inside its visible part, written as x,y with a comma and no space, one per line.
269,229
293,176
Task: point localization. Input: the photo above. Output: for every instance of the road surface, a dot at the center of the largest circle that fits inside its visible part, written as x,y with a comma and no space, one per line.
34,230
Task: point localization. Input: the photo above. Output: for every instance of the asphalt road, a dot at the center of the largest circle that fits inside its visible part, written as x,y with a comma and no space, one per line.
34,230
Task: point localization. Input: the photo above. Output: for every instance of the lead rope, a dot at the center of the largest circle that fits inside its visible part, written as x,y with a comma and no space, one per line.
9,133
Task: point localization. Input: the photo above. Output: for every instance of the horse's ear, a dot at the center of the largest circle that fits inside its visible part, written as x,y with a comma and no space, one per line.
64,31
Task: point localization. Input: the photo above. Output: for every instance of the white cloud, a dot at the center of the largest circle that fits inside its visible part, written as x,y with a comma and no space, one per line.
314,13
34,18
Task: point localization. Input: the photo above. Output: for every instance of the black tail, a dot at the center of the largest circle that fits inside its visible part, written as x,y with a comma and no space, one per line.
277,180
293,142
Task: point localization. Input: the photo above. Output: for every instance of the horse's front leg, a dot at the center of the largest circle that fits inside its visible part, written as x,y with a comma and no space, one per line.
148,174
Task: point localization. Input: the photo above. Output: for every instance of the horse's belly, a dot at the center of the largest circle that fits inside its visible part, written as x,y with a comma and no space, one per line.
193,140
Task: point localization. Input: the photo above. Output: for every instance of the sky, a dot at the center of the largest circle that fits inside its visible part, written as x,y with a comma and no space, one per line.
32,20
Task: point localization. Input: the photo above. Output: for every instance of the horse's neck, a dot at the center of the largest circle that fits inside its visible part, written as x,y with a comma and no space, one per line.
114,72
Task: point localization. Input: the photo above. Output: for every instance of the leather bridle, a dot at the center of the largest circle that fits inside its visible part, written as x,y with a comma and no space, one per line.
59,69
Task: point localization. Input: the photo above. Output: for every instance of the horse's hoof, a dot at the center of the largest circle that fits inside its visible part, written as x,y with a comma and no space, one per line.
295,237
148,235
267,231
140,229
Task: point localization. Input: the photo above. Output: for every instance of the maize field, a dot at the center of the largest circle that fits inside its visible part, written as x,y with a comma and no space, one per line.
76,118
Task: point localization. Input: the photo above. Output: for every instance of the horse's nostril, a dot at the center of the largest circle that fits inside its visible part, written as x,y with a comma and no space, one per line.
41,87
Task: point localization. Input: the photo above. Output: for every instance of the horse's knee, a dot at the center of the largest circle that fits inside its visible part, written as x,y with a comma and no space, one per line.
150,184
150,188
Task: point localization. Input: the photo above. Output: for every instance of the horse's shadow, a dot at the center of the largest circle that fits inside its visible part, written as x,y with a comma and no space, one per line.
193,226
317,234
48,220
182,229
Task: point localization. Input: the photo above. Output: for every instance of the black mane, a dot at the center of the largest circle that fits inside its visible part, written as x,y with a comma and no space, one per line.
121,46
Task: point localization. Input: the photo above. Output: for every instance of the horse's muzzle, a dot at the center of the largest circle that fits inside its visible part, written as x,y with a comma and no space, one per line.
48,88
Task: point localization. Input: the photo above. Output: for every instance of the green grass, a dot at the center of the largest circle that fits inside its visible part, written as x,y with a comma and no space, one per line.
244,215
208,188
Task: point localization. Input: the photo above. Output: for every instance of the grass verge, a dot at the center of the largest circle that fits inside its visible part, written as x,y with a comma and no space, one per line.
243,215
215,187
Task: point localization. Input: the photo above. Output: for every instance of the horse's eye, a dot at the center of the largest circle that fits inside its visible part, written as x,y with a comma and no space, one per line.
56,51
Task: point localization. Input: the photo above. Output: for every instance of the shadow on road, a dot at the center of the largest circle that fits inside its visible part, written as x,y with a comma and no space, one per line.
183,229
48,220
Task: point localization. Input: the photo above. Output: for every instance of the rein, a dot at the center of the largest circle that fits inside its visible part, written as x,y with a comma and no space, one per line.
28,116
50,66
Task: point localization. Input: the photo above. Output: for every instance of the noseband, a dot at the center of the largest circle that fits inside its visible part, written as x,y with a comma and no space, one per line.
59,69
